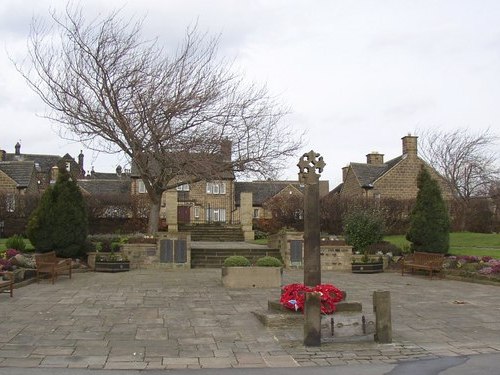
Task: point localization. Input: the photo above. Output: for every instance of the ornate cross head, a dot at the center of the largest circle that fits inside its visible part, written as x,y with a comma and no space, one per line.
309,164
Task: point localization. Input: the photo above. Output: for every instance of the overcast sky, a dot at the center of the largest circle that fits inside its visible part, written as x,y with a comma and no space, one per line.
357,75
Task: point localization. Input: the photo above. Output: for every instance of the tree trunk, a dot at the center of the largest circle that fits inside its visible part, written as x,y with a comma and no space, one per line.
154,215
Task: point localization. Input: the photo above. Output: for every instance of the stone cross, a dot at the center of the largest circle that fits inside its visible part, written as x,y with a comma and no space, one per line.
310,166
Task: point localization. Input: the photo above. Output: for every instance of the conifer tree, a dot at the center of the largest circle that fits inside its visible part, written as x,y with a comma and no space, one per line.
60,221
429,220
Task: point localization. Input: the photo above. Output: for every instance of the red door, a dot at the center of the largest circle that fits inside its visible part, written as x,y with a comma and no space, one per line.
183,216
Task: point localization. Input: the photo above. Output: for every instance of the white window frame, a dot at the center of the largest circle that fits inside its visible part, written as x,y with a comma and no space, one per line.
10,202
216,215
141,187
256,213
196,212
68,166
216,188
183,187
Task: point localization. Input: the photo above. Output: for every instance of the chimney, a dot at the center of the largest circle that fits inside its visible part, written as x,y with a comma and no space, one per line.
18,148
409,145
80,162
375,158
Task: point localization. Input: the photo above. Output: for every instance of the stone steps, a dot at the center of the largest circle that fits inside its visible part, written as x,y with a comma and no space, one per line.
214,258
214,232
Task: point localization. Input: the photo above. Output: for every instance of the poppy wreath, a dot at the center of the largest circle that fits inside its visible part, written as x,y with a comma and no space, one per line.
293,296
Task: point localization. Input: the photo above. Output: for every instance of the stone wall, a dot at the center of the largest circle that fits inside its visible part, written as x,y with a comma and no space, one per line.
334,256
150,255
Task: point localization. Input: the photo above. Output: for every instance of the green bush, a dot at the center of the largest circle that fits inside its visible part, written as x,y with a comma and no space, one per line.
260,235
363,228
236,261
16,242
115,246
268,261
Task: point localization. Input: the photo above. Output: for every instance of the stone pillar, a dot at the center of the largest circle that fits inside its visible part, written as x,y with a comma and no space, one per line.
383,323
246,215
312,319
308,165
171,210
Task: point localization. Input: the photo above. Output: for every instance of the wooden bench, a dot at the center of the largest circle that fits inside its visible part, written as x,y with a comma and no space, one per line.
48,263
432,262
7,285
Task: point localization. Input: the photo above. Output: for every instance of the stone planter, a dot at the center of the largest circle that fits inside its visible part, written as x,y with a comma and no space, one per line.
251,277
112,266
367,267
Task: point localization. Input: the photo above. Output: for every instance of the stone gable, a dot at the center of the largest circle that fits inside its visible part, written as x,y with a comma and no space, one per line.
396,179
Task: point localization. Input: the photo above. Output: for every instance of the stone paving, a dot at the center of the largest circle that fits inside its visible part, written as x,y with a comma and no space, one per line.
146,319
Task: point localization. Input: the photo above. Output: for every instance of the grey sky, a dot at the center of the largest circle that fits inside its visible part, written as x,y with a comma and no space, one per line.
357,75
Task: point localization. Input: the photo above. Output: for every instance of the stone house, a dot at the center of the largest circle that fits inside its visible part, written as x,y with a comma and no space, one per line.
23,174
46,166
201,201
396,178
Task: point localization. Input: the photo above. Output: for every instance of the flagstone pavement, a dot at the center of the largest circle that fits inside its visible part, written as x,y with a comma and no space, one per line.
152,319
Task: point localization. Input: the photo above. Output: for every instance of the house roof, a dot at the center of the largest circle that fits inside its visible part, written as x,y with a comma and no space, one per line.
43,162
20,171
96,186
367,174
262,190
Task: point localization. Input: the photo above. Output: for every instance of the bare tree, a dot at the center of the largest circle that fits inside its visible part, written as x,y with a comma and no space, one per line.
468,162
171,114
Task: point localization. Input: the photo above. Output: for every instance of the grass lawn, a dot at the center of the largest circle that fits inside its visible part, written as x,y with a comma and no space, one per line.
462,243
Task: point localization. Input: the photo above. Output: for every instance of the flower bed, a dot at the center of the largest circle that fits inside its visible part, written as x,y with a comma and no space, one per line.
486,268
293,297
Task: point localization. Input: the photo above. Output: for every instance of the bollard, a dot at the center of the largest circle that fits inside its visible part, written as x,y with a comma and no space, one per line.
382,309
312,319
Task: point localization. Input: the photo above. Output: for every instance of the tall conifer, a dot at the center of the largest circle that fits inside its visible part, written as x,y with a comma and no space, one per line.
429,220
60,221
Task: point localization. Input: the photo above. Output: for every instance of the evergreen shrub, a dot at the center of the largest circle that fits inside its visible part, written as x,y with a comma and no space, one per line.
429,219
363,227
268,261
236,261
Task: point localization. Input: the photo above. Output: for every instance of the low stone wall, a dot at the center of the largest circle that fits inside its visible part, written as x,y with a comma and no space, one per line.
357,258
148,256
251,277
141,255
336,257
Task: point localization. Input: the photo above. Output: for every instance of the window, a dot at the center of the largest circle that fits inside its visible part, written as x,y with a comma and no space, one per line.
196,212
10,203
216,188
216,214
183,187
68,166
141,188
255,213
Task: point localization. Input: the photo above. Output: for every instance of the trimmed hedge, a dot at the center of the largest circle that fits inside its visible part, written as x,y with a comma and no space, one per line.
268,261
236,261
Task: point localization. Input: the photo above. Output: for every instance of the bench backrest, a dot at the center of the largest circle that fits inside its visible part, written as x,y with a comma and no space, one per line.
46,257
419,257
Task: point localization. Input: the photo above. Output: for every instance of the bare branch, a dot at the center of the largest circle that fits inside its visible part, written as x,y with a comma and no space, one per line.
169,113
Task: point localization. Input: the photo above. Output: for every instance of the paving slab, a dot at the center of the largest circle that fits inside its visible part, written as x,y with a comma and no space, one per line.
168,319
